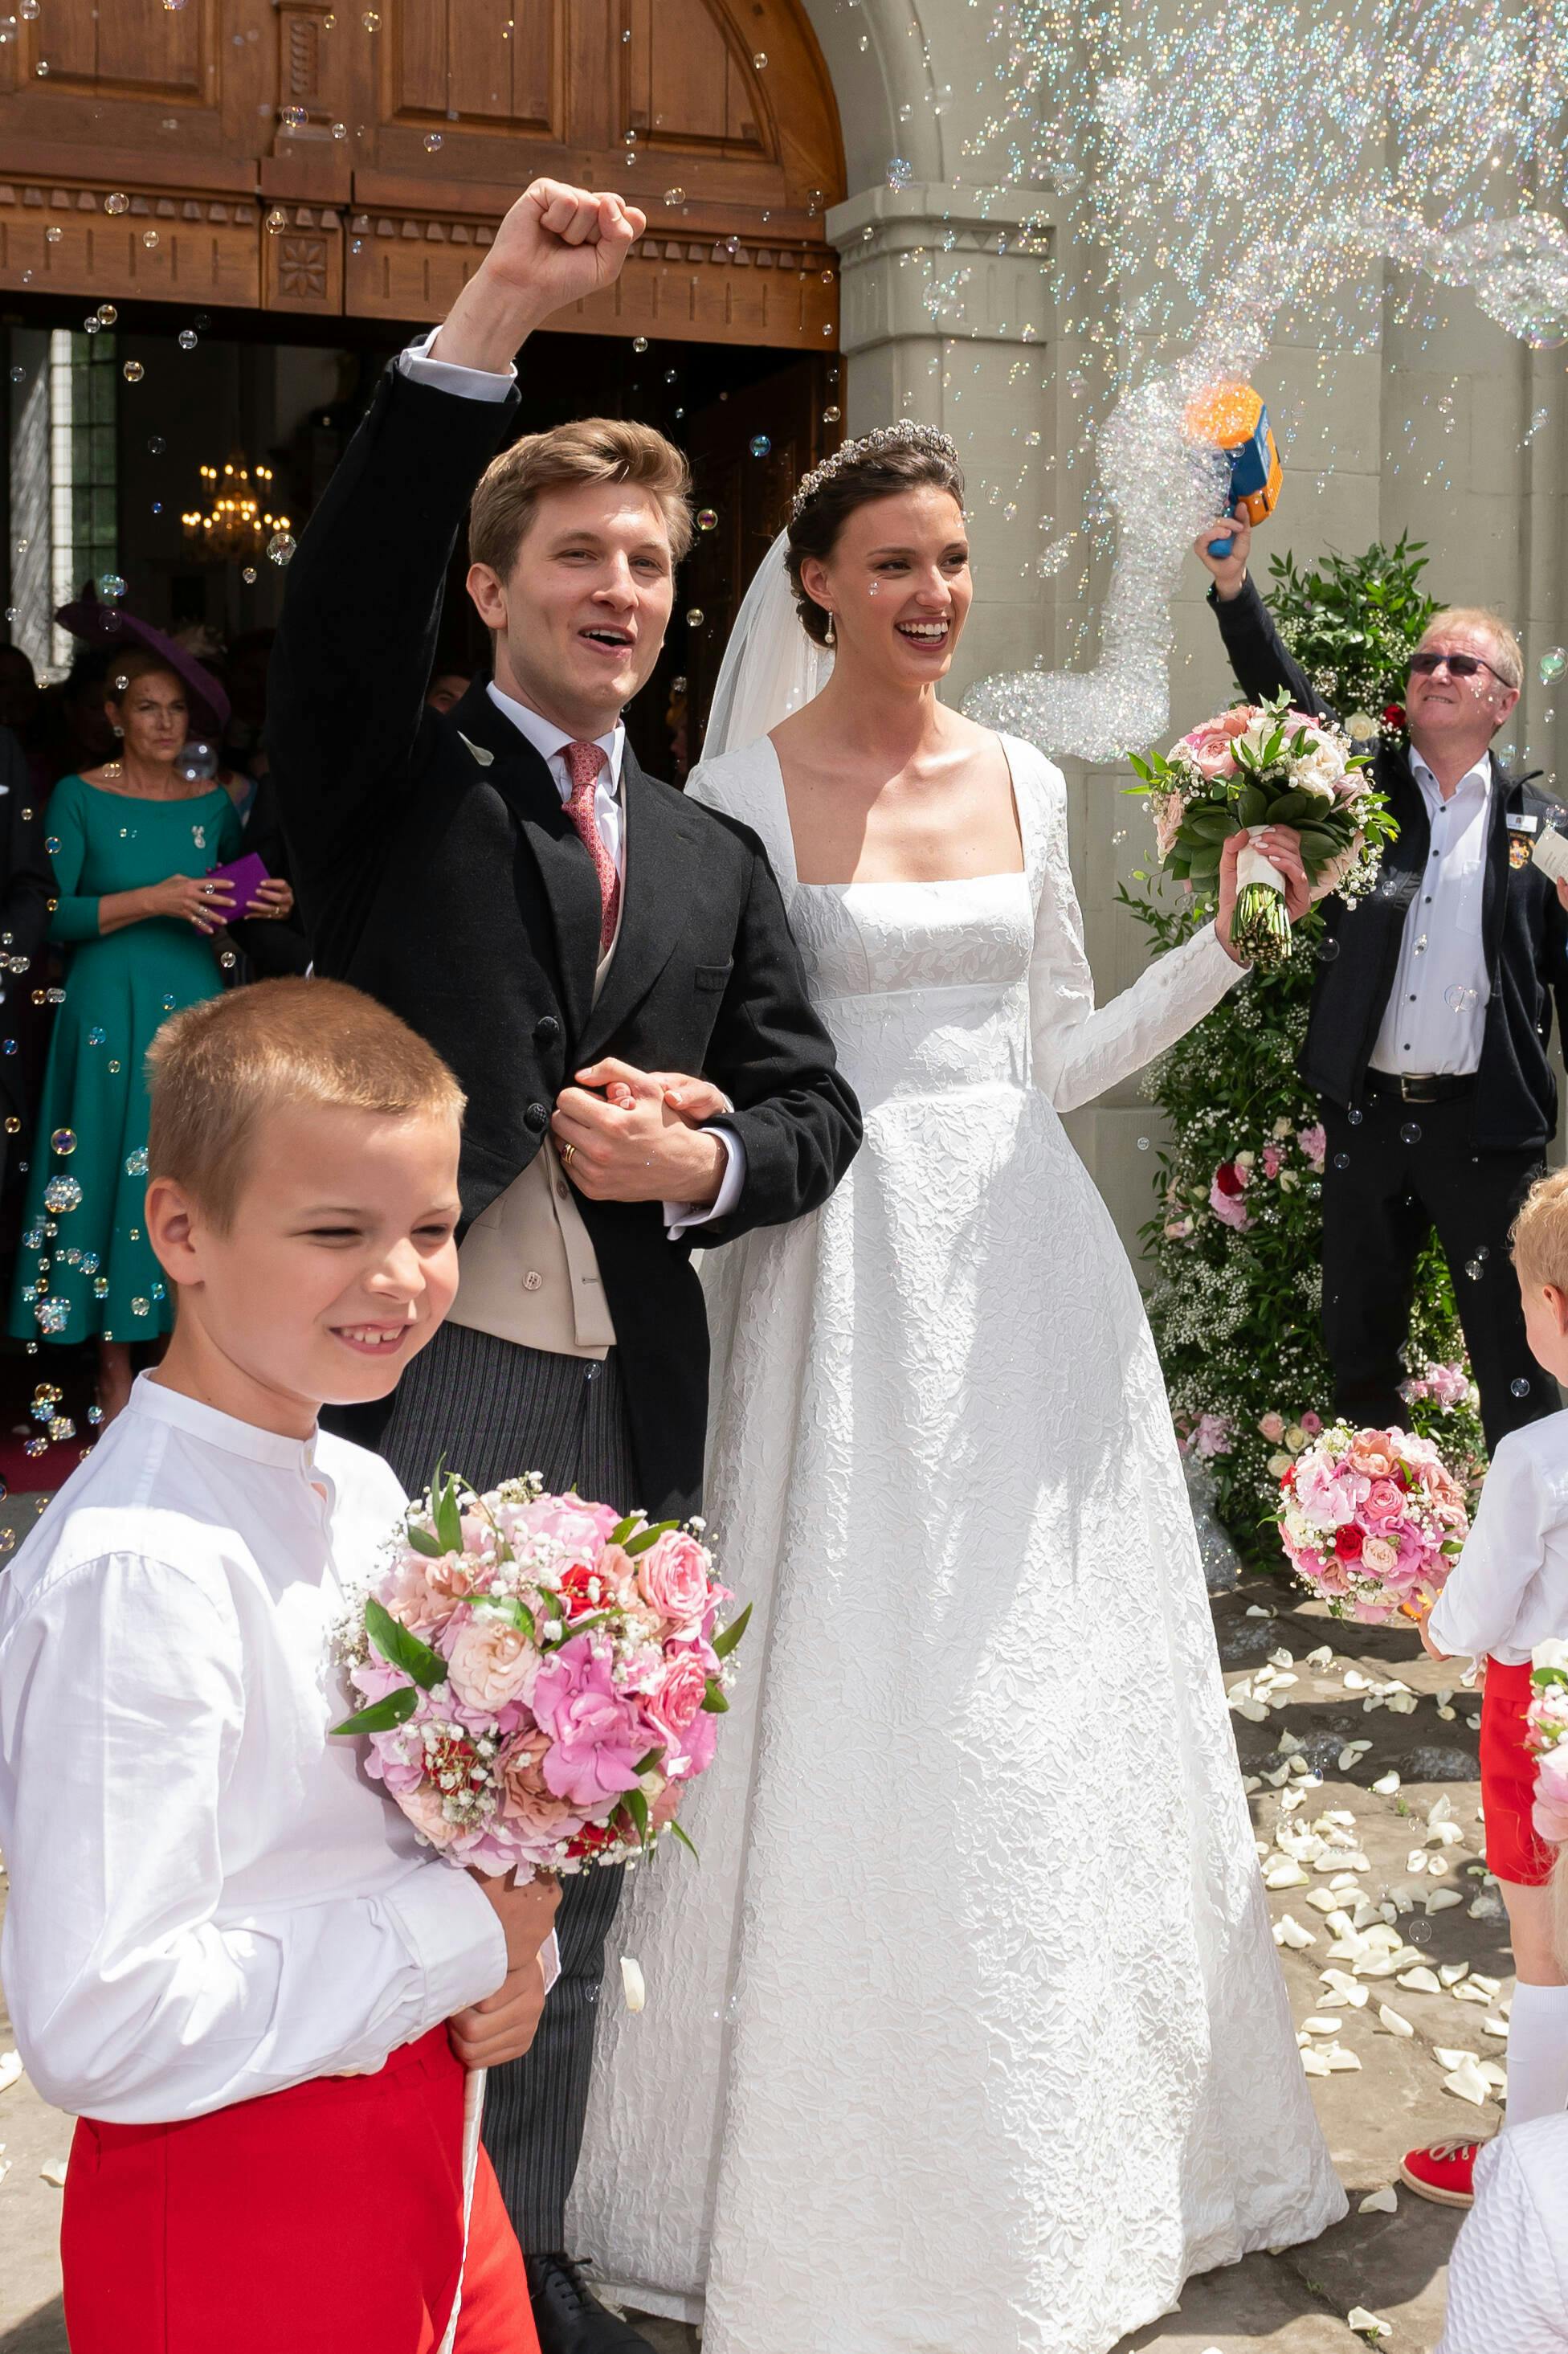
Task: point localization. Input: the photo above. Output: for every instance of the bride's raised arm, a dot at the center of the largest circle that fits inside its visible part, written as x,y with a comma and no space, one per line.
1081,1049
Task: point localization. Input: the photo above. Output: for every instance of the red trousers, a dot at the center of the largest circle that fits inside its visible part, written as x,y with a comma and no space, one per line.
326,2220
1515,1849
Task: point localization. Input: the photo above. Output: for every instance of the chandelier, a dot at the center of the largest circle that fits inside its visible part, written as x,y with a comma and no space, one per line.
237,522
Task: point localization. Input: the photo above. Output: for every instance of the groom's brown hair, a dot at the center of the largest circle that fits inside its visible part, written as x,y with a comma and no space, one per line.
591,450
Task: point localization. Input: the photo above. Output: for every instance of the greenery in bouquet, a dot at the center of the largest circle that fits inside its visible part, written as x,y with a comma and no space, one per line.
1235,1248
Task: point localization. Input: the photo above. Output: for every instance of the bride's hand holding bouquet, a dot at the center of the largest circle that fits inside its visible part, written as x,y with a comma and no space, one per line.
1225,795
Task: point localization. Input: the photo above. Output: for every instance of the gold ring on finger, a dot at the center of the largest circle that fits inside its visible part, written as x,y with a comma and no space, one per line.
568,1151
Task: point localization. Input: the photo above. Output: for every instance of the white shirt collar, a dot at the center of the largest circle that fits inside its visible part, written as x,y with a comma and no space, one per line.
155,1402
1479,776
548,740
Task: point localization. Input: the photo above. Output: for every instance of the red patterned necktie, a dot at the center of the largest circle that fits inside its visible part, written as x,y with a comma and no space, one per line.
584,762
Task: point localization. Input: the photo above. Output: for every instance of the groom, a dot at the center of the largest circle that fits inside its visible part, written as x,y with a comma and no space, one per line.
567,933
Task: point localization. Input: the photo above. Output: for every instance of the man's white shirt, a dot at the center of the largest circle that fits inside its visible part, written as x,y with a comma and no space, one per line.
1437,1012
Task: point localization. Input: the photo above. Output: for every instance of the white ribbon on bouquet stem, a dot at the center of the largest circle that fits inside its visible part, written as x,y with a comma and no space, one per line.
1254,866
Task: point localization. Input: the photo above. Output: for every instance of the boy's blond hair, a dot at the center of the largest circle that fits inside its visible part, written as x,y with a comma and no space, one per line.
1507,651
591,450
1540,1236
218,1069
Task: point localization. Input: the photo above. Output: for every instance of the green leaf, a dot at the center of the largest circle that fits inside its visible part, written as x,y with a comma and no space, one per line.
622,1530
428,1545
725,1643
646,1764
636,1806
399,1649
447,1516
381,1716
649,1536
512,1608
714,1702
676,1832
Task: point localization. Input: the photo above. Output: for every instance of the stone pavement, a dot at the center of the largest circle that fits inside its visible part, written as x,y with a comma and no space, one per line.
1294,1723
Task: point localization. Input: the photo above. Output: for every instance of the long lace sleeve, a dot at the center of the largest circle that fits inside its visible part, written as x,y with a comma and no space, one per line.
1081,1049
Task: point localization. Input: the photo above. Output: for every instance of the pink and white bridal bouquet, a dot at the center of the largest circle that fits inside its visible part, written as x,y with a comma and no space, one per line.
1255,765
1372,1521
541,1676
1546,1738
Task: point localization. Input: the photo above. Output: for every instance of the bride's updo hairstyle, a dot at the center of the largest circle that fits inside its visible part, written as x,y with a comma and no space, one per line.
902,457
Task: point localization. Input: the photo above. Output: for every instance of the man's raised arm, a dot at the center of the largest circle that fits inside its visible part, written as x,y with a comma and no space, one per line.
1259,655
345,698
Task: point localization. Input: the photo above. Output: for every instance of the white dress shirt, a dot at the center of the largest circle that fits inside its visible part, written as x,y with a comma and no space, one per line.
1508,2275
1509,1590
550,742
208,1899
1437,1011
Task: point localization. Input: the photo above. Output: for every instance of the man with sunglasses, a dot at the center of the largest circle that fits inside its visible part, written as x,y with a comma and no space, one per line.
1430,1012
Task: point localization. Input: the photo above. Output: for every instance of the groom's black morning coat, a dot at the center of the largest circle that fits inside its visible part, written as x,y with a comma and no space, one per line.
437,871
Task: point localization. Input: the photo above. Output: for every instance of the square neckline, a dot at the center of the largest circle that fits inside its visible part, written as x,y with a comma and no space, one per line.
905,882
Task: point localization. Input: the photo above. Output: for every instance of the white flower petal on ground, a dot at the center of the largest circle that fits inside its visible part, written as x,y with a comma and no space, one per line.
1324,1657
1420,1980
1288,1746
1441,1900
1288,1874
1487,1985
1289,1931
1416,1860
1282,1657
1386,1785
1497,2027
1250,1784
1341,2060
1466,2083
1368,2323
1395,2020
1316,2026
1348,1993
1380,2203
1469,1991
1253,1710
1257,1610
55,2172
1445,1834
1450,2056
1494,2076
1452,1972
10,2069
1447,1714
1374,1966
633,1984
1356,1681
1313,2062
1323,1899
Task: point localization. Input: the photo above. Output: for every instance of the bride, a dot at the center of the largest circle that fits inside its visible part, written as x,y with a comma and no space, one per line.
967,2032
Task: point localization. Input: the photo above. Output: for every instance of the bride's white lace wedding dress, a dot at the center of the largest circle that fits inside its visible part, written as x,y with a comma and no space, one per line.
968,2035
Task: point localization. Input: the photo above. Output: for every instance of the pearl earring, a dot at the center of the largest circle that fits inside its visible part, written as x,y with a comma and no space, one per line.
828,633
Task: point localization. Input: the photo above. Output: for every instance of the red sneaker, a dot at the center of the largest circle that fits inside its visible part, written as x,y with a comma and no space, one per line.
1444,2172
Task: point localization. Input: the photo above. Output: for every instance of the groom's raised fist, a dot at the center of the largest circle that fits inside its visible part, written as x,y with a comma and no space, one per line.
557,246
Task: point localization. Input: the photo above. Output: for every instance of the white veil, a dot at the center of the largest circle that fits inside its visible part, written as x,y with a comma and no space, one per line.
770,666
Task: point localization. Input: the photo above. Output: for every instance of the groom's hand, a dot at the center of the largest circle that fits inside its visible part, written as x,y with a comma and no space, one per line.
557,245
629,1144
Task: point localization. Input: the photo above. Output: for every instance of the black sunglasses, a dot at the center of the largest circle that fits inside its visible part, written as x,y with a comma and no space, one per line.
1460,666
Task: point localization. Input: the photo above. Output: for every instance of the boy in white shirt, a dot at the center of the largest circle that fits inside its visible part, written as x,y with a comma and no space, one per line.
1507,1593
225,1949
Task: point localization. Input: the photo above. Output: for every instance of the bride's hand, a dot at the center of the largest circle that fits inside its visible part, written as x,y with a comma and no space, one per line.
696,1101
1281,845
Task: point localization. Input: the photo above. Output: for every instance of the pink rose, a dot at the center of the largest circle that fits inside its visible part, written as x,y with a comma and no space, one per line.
526,1798
672,1577
675,1699
1379,1556
1271,1160
598,1735
414,1601
1373,1452
1385,1502
1312,1424
1314,1143
580,1526
422,1805
1273,1427
453,1574
491,1662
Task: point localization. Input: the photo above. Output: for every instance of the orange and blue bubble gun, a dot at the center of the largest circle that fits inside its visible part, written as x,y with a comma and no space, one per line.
1231,417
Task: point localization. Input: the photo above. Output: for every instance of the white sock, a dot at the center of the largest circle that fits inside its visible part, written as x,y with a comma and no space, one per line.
1537,2054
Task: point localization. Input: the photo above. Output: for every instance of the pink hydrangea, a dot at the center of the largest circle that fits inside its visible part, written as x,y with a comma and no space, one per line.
1314,1143
597,1734
1212,1435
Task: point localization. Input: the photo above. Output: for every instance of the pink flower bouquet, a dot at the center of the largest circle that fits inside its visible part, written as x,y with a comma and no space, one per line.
1257,765
1546,1737
1372,1521
540,1675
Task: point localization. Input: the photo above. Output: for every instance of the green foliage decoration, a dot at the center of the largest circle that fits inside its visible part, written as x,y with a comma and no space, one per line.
1235,1306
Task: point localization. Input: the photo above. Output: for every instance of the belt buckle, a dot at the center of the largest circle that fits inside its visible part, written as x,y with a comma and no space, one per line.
1418,1089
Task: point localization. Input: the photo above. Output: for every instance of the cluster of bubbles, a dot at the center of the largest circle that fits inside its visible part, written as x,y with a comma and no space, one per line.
1197,215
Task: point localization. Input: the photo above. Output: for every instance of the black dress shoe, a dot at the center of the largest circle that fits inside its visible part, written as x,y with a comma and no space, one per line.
569,2318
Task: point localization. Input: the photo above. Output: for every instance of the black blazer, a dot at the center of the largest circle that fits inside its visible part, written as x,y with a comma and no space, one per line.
436,868
27,887
272,949
1523,926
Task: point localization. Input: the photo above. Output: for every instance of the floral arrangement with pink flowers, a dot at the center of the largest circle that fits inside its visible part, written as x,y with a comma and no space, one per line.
541,1676
1372,1521
1257,766
1546,1738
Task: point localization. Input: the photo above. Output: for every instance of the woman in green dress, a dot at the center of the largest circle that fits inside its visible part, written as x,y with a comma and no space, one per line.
131,844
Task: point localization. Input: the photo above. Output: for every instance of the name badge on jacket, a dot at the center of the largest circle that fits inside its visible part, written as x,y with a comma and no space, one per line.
1521,833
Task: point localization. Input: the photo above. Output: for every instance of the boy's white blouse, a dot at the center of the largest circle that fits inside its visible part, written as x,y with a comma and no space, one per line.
1509,1589
208,1899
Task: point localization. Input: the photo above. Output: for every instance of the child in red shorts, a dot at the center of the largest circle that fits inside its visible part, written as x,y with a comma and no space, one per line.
224,1949
1507,1593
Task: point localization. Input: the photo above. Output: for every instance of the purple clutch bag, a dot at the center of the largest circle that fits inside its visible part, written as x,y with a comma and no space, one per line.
245,875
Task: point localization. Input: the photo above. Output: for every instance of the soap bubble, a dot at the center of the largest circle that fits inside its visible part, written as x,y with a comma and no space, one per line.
292,118
674,196
53,234
117,204
197,761
110,585
1410,1133
696,617
96,1035
1326,951
149,239
136,1162
62,1194
249,576
106,314
1341,1159
1474,1269
132,371
63,1142
53,1315
281,548
187,339
707,519
759,59
140,1307
1553,664
899,172
1520,1385
371,21
832,414
156,445
1458,997
277,219
639,342
1355,1115
759,445
432,141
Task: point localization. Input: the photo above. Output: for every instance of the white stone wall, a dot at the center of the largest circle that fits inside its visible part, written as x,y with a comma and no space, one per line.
949,317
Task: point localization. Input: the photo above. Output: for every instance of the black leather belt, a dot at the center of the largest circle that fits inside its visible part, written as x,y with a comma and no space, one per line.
1421,1087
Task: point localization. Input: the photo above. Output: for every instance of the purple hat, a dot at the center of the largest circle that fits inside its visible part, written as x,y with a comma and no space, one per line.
104,625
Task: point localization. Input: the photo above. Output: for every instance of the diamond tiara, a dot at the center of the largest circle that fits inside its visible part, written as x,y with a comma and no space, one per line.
905,435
